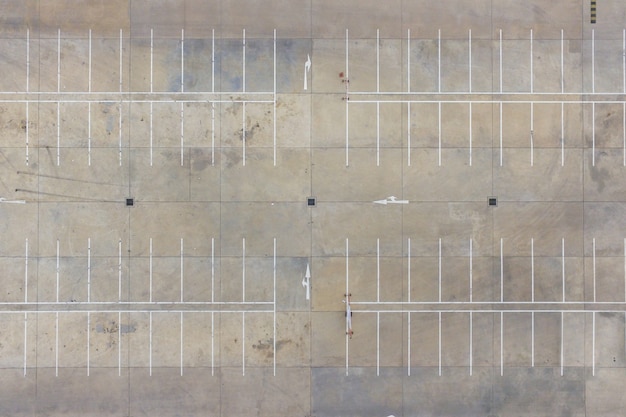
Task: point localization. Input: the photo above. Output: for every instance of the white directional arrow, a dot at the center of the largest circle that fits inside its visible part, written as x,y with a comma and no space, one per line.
391,200
306,282
307,68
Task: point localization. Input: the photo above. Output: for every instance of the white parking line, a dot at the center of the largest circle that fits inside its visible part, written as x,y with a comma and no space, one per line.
408,264
562,134
563,266
500,62
88,340
182,60
89,65
119,346
378,270
25,340
181,271
439,60
27,59
439,130
89,134
243,133
56,344
625,270
213,60
532,134
408,354
212,269
531,62
500,133
243,343
150,337
57,271
562,317
593,134
182,133
594,269
471,278
501,343
212,133
470,134
532,269
408,89
593,345
150,270
593,61
119,271
471,342
347,294
151,146
274,302
151,61
243,43
120,130
624,61
88,270
440,343
243,269
26,271
501,271
212,343
121,58
27,133
469,65
181,342
58,133
532,339
58,60
377,343
439,270
562,66
274,108
347,82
